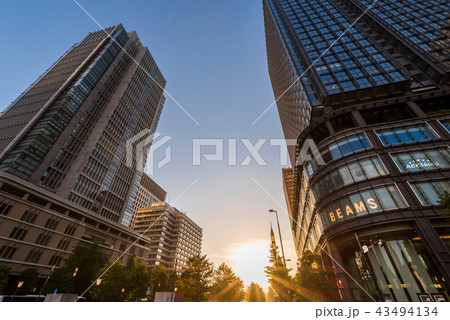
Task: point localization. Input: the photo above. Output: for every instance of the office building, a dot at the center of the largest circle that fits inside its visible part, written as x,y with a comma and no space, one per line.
174,236
149,192
374,97
40,230
64,175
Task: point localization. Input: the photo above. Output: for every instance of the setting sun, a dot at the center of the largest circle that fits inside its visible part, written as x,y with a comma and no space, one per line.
250,259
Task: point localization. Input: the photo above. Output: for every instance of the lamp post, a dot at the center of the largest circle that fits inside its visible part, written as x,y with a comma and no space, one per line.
19,285
174,289
282,249
281,241
45,283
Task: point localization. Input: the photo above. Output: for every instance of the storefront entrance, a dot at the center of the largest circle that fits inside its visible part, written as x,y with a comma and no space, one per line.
392,268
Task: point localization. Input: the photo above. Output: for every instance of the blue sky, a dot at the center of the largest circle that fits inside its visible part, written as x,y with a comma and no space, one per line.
213,55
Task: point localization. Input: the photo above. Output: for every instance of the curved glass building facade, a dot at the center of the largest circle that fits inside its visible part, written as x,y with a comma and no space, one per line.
378,90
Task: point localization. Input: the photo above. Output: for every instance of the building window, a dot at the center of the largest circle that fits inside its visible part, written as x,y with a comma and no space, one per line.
63,244
422,160
5,207
51,224
369,201
43,239
429,192
446,124
339,149
70,230
33,256
18,233
352,172
7,252
345,146
29,216
406,134
55,261
386,114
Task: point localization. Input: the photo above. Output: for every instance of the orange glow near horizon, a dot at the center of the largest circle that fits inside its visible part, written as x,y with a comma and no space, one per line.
250,259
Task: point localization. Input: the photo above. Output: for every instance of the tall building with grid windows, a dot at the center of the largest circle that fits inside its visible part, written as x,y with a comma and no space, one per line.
64,175
67,133
369,83
174,236
149,192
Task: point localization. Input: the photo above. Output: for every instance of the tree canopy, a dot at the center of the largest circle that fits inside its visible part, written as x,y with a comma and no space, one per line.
227,287
30,279
78,272
118,282
278,276
195,282
4,276
255,293
312,280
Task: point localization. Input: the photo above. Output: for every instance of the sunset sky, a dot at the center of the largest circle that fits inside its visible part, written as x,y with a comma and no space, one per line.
213,56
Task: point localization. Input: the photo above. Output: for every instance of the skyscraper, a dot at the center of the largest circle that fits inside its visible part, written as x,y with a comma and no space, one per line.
368,82
64,175
67,133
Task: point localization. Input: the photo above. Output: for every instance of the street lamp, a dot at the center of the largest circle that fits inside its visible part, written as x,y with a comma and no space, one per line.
19,285
282,248
98,281
281,241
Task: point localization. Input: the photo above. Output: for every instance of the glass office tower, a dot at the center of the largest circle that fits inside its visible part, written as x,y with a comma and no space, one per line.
64,178
369,83
67,133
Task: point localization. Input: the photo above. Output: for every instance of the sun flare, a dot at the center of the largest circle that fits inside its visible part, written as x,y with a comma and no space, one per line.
250,260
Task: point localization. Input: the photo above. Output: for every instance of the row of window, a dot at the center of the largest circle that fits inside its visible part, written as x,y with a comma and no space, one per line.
380,199
406,134
419,160
347,174
338,150
373,200
391,136
372,167
430,192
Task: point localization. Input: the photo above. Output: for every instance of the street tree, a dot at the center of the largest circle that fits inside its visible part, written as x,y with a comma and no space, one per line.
78,272
312,280
30,279
159,281
271,295
118,282
255,293
113,280
195,282
278,276
138,280
226,287
5,271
